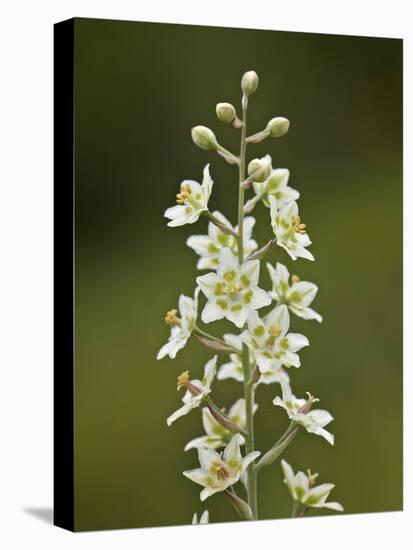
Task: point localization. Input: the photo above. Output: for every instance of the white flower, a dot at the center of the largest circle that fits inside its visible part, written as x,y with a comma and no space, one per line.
181,328
208,246
197,390
233,369
270,342
192,201
232,292
276,185
313,421
203,520
217,472
302,490
289,232
216,435
298,296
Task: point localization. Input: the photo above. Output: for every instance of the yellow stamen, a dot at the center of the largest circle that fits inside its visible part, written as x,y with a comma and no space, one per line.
274,331
295,279
297,225
171,318
311,478
222,472
183,380
186,190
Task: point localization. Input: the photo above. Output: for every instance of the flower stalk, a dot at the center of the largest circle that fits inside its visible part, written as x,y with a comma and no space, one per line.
264,349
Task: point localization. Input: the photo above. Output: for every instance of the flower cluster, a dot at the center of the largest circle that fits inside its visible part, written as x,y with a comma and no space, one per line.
260,347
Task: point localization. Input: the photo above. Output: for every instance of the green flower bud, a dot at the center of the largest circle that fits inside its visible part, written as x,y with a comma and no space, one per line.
204,138
278,126
225,112
260,169
249,82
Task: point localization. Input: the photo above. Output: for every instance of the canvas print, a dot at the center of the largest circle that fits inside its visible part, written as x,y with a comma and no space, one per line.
237,275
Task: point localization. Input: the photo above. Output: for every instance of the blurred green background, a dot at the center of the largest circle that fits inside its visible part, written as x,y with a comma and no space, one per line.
140,87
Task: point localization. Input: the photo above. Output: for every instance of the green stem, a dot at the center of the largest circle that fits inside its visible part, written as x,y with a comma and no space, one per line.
279,447
248,388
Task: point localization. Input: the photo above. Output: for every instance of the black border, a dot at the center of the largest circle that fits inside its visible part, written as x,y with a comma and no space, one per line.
63,274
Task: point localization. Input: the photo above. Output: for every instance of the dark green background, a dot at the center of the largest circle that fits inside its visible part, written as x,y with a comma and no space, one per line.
139,89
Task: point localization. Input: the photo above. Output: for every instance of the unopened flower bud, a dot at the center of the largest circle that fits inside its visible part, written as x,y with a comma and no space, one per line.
278,126
204,138
249,82
225,112
260,169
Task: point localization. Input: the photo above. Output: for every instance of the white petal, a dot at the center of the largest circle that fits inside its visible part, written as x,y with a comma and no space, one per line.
186,306
320,417
297,341
207,457
318,493
201,244
249,223
209,491
250,457
204,441
259,298
204,519
237,412
211,426
197,476
279,316
333,506
237,316
212,312
301,485
207,184
208,284
232,453
251,272
185,409
209,372
227,261
305,313
230,370
170,348
234,341
302,293
289,477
